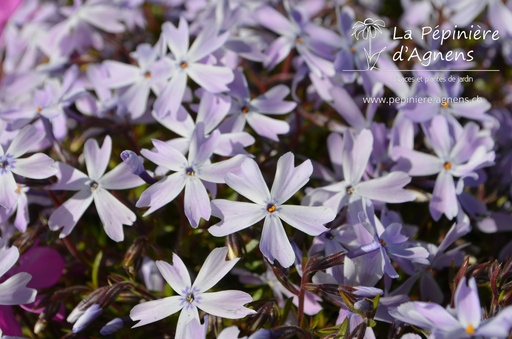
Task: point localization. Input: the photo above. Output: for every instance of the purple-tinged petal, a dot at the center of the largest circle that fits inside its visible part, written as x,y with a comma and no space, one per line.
388,188
288,178
467,303
213,108
480,158
425,315
37,166
135,98
308,219
416,163
270,18
166,156
161,193
169,100
207,42
266,126
155,310
96,158
498,326
272,102
44,264
8,188
440,137
104,17
444,198
176,275
68,214
356,153
69,178
472,109
120,178
274,243
277,51
13,291
215,267
235,215
226,304
8,258
120,74
197,202
457,231
27,137
217,171
335,149
188,313
214,79
231,144
318,65
22,217
201,147
430,289
249,182
347,108
177,38
113,214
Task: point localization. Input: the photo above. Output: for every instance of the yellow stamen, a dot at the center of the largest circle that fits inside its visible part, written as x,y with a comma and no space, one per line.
444,104
352,50
183,65
39,109
298,40
382,242
271,208
147,75
470,329
245,110
447,165
18,190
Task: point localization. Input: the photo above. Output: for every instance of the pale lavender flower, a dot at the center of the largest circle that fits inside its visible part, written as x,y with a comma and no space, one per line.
37,166
13,291
194,296
94,187
356,154
269,205
194,174
187,63
465,321
254,111
456,155
137,81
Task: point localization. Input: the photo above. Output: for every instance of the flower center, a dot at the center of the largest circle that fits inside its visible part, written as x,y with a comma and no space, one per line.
6,163
447,165
271,208
189,171
147,75
350,190
39,109
352,50
444,104
298,40
245,109
190,298
183,65
382,242
94,185
470,329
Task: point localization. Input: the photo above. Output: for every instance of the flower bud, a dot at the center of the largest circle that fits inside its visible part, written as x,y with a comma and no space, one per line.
133,257
235,246
136,166
87,317
112,326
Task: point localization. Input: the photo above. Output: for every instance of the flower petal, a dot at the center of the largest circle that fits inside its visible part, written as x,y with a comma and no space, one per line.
308,219
169,100
37,166
161,193
215,267
388,188
69,178
13,291
249,182
226,304
8,257
216,172
68,214
165,155
155,310
96,158
177,38
467,303
274,243
266,126
214,79
289,179
27,137
120,178
444,197
235,215
113,214
8,187
197,202
176,275
188,314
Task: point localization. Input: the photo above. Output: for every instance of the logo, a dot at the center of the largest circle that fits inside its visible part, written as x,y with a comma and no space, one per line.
367,30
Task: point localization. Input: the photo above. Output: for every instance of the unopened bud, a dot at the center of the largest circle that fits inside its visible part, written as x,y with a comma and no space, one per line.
112,326
87,317
327,262
267,313
136,166
235,246
133,257
83,305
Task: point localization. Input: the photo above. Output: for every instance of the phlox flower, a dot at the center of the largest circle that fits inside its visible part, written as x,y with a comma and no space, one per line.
465,321
94,187
194,174
193,296
269,205
37,166
187,64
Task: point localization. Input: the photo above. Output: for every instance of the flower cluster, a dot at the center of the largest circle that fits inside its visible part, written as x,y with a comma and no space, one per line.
294,168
